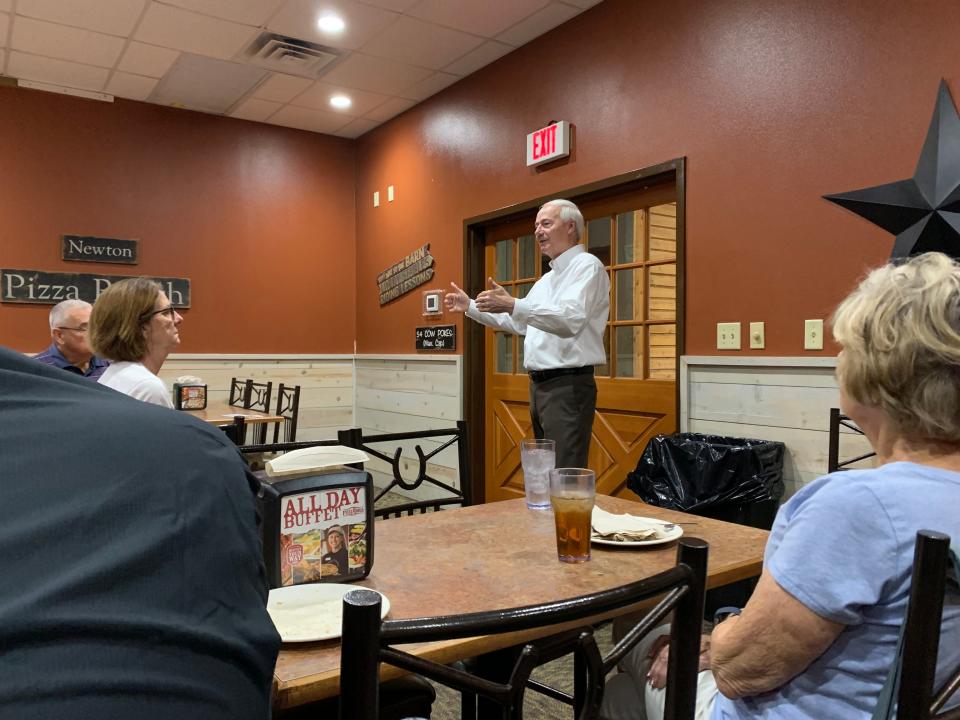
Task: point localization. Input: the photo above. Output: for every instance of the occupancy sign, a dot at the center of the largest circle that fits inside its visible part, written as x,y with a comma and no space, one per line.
437,337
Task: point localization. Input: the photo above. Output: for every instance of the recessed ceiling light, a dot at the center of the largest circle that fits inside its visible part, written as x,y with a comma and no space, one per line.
331,23
341,102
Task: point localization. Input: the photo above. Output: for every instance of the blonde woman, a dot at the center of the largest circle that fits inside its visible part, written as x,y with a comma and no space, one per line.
817,637
134,325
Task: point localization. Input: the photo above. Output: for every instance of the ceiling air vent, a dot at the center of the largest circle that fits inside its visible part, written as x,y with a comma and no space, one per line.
289,55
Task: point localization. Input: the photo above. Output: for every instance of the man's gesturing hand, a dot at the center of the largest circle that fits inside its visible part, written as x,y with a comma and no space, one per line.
495,300
456,299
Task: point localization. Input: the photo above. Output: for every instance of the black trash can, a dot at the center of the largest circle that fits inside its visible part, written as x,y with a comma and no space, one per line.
737,480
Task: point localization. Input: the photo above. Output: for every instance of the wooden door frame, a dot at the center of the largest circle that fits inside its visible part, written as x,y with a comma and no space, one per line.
474,233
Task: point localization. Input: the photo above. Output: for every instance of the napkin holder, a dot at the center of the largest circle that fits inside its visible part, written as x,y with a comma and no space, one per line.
189,396
317,524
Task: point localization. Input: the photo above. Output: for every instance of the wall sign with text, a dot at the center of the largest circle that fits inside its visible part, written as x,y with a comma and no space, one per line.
402,277
549,143
37,287
80,248
437,337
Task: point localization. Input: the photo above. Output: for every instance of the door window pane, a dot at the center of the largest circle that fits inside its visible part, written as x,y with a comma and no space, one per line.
662,352
504,344
504,270
598,238
662,292
523,289
630,234
605,368
528,257
628,290
663,232
629,351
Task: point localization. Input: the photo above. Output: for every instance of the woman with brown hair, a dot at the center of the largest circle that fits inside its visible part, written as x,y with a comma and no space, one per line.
134,325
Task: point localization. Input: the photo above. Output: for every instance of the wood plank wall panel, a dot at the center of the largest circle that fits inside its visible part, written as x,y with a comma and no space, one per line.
326,386
784,399
409,393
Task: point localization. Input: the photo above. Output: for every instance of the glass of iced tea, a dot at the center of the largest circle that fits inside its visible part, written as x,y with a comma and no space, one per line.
571,493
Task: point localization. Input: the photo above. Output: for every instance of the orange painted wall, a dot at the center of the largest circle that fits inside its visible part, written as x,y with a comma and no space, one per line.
260,218
773,103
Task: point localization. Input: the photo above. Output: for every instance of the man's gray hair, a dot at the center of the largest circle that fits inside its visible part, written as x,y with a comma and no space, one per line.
60,311
568,211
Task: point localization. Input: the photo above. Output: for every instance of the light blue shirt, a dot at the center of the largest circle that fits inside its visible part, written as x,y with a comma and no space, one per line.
843,546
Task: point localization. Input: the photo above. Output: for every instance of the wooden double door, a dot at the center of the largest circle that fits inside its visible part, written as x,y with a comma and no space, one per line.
635,236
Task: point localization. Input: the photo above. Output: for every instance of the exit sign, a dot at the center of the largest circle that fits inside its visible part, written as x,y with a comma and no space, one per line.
548,143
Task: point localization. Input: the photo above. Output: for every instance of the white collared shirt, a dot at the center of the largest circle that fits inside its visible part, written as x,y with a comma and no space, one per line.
563,316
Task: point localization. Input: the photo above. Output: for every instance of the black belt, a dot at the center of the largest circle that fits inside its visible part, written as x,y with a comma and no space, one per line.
539,376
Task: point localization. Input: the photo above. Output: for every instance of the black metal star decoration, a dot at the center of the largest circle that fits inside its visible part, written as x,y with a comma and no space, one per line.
924,211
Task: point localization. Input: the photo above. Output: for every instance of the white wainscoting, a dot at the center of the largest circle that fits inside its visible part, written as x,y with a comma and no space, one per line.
377,393
770,398
406,393
326,384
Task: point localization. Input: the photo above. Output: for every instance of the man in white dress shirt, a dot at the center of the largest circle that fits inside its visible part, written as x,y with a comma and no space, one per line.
562,318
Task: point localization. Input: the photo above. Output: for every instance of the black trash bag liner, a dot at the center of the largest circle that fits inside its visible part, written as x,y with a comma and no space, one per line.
702,473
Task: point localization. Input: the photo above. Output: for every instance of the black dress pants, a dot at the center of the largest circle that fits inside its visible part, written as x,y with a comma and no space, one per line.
562,410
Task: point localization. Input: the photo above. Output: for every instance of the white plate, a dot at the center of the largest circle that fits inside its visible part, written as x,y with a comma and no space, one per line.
670,536
305,613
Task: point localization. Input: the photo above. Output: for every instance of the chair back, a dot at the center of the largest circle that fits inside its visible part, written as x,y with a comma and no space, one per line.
258,398
389,448
917,698
236,430
367,641
239,392
288,406
834,462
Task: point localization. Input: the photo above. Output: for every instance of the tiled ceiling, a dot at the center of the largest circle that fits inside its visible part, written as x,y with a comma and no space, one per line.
200,54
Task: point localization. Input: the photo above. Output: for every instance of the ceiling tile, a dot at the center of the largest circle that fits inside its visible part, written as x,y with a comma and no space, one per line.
431,86
115,17
375,74
281,88
487,18
57,72
306,119
190,32
255,109
133,87
419,43
318,98
583,4
395,5
249,12
66,43
356,128
202,83
4,24
5,5
537,24
479,57
391,108
298,19
149,60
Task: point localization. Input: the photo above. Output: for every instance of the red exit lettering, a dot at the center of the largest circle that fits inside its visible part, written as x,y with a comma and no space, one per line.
544,142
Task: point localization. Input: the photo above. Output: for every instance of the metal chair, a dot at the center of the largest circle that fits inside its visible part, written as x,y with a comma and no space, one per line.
239,392
258,398
916,698
236,430
455,496
833,451
367,641
288,406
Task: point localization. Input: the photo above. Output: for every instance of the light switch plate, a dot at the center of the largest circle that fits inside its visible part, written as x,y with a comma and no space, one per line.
757,336
389,193
376,198
813,334
728,336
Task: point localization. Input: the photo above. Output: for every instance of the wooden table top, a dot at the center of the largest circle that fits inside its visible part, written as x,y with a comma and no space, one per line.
220,413
500,555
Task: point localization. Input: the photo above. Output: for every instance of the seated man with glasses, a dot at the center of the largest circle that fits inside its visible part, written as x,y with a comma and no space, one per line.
135,326
70,349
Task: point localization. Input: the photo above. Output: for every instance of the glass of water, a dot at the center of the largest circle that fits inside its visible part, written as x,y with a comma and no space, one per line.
538,457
